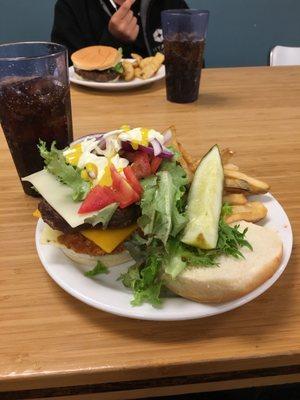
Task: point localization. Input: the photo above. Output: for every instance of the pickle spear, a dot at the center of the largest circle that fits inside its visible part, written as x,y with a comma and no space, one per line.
205,202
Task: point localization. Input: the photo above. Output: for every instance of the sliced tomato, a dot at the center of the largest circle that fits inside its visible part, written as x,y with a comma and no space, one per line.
98,198
155,163
141,165
132,179
124,194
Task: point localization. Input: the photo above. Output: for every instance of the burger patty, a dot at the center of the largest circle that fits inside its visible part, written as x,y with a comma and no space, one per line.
97,76
120,219
82,245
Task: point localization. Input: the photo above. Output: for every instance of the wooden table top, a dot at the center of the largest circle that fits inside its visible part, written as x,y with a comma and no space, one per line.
48,339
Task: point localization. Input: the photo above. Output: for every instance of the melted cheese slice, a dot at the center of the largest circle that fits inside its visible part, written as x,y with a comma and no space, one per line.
108,239
59,196
36,214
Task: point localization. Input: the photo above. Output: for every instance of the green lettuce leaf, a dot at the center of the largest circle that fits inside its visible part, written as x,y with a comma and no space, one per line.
99,269
103,216
118,68
146,221
145,281
163,203
145,278
70,176
173,262
179,182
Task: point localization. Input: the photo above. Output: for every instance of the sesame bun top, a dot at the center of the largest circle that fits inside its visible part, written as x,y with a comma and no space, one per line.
96,57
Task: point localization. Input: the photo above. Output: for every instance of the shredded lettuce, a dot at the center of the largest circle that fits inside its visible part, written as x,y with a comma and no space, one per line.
145,281
67,174
103,216
118,68
97,270
178,192
163,203
156,259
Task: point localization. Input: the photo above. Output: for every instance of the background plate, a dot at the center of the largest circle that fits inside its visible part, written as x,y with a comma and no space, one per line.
107,294
119,85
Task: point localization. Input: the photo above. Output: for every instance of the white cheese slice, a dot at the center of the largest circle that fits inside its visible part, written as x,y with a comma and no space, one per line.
59,196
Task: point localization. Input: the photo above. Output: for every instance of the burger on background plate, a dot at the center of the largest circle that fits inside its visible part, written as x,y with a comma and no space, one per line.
98,63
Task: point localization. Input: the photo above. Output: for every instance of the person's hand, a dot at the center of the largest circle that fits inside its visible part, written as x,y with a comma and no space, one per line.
123,24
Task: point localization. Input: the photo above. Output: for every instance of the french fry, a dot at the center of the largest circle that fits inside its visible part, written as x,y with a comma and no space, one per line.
137,57
236,186
160,57
128,73
181,160
231,167
235,199
255,186
185,154
138,72
250,212
189,160
148,71
144,68
226,155
145,61
135,64
195,164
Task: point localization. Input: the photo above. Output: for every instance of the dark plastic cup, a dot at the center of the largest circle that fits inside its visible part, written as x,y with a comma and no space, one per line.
34,102
184,42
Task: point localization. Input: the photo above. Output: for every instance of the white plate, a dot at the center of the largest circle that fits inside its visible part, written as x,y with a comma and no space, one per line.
120,84
108,294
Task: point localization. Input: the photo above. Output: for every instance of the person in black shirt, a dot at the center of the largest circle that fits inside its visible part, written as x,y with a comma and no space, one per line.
133,25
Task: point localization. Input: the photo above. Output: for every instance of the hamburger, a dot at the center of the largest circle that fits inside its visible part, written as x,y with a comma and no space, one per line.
91,192
98,63
126,195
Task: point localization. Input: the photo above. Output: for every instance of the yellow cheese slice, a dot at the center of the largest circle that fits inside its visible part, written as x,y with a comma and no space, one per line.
36,214
108,239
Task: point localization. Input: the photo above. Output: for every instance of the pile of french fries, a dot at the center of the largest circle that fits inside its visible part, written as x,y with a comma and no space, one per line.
143,68
237,186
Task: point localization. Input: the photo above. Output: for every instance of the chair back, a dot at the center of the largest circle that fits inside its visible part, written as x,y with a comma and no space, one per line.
283,55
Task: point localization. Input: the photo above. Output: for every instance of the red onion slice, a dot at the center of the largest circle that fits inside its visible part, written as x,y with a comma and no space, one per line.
166,153
97,136
157,147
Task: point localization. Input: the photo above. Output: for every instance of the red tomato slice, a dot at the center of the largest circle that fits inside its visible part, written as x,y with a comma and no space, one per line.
132,179
155,163
98,198
141,165
123,192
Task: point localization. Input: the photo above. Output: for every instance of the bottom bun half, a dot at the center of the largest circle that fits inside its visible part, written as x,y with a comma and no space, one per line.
109,260
233,278
50,236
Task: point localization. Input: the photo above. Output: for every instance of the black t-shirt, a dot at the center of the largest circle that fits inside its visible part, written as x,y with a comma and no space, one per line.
82,23
140,40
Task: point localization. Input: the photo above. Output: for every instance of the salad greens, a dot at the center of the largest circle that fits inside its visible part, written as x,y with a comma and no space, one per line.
67,174
162,203
99,269
118,68
161,251
103,216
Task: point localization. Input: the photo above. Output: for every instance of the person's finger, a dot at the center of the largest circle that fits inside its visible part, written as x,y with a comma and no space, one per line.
132,30
135,32
128,18
131,25
125,7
